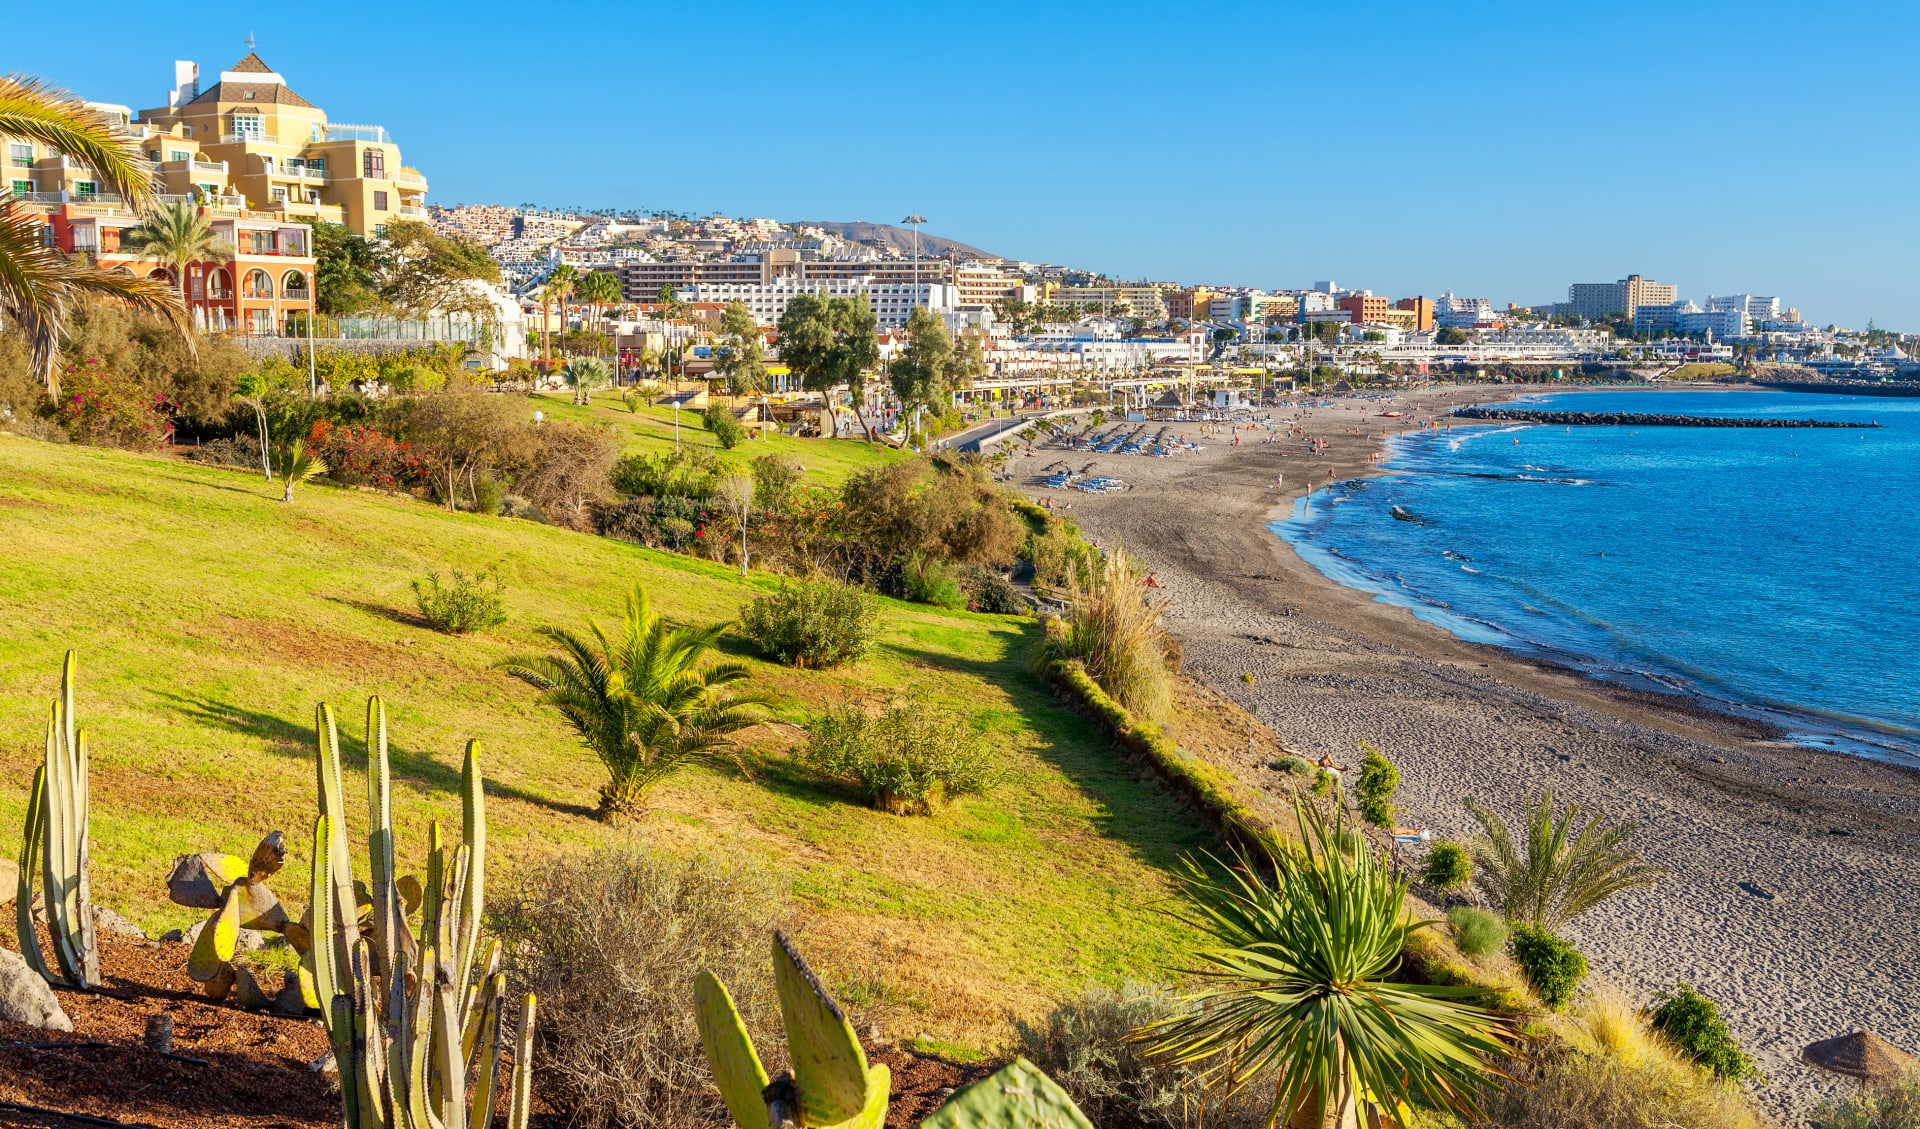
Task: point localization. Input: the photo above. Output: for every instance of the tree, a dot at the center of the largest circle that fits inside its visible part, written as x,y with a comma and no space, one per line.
177,236
347,269
831,342
39,286
428,272
642,703
743,356
558,289
922,375
1297,983
251,390
587,375
1449,335
1560,872
599,289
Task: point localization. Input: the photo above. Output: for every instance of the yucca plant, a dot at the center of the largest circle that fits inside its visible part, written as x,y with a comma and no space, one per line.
296,465
55,845
587,375
1299,983
830,1083
642,702
1564,867
411,1017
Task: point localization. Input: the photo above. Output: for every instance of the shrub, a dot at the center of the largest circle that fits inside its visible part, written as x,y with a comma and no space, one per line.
464,604
1292,766
1477,932
1060,556
1693,1023
690,472
1883,1107
1083,1045
925,580
1113,626
816,623
567,473
774,477
1378,781
988,591
1323,783
489,493
97,407
240,451
1552,965
907,759
610,941
362,456
727,430
1448,867
663,522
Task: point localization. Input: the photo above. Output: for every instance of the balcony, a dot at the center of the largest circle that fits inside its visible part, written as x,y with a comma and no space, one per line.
343,131
408,176
302,172
249,138
412,212
210,166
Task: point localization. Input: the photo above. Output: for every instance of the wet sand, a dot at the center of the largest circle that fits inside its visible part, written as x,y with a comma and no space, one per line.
1794,897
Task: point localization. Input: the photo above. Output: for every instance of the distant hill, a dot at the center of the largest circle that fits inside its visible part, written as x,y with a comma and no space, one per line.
900,238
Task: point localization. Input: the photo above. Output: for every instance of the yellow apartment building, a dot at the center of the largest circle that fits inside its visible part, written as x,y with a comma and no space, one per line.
250,140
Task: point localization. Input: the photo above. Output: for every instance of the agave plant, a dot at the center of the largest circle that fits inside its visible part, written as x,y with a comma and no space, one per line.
831,1084
1562,870
1299,982
411,1016
55,845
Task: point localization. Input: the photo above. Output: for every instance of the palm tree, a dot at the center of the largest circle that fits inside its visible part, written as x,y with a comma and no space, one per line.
599,289
178,235
1559,873
586,374
560,283
1298,986
642,702
38,284
297,465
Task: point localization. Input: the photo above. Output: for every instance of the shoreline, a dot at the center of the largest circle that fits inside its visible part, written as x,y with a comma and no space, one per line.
1831,840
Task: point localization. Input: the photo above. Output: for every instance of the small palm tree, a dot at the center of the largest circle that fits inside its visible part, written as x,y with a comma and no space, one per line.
178,235
39,285
642,702
1298,984
560,283
297,465
1560,872
587,375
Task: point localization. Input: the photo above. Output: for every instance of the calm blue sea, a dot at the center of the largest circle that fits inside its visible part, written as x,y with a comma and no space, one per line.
1775,571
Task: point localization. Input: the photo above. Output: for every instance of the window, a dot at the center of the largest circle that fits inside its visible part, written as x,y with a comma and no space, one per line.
313,195
379,230
316,165
84,188
280,194
22,154
379,201
374,164
22,187
248,125
210,192
153,154
179,155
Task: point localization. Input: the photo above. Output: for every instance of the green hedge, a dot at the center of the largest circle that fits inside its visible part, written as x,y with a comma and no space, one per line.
1208,787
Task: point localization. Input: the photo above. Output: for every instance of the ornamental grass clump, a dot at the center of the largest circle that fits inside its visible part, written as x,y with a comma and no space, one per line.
461,604
1477,933
1881,1107
1113,626
908,759
815,624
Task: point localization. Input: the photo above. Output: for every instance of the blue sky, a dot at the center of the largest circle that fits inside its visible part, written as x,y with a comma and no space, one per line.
1500,150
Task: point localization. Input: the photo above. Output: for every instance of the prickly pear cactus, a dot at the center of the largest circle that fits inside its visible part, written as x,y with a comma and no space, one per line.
1017,1096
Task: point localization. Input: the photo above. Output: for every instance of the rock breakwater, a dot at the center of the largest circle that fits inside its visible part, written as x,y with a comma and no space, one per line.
1641,419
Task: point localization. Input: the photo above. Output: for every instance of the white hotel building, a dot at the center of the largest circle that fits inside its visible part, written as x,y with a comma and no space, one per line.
891,301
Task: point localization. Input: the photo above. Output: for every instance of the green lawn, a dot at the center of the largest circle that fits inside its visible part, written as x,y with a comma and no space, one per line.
210,619
651,429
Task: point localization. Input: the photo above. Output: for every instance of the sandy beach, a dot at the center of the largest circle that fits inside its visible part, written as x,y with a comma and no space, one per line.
1794,897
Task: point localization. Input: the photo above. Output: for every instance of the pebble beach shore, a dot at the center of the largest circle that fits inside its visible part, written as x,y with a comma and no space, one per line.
1794,894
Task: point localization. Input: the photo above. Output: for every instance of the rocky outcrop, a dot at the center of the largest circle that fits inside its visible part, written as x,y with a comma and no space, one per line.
1640,419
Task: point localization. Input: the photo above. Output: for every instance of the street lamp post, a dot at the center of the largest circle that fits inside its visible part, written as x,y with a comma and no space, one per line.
313,307
916,219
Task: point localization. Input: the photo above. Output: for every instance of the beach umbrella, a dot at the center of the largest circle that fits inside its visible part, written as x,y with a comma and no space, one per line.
1861,1055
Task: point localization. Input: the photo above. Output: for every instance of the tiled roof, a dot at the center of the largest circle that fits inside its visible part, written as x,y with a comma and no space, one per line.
252,64
252,92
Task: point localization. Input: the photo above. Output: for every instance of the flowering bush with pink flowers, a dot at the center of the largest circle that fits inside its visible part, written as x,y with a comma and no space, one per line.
107,410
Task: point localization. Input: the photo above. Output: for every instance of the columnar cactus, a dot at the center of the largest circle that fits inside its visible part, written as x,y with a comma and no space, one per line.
55,844
411,1018
830,1084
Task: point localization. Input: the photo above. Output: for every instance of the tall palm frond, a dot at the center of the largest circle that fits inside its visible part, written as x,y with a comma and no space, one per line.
177,235
39,287
1298,984
1559,872
641,701
39,111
